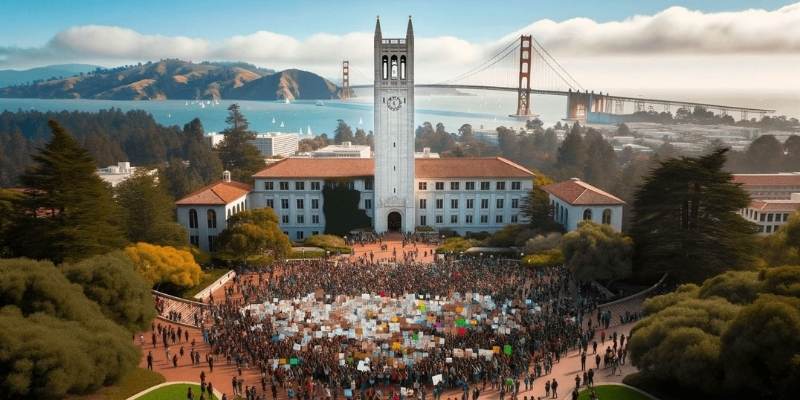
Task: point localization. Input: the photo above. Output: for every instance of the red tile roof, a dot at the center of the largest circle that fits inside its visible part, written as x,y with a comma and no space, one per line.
775,205
219,193
578,192
782,179
482,167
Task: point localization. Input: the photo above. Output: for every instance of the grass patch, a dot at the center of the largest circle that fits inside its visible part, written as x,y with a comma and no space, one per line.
171,392
209,276
305,254
131,383
612,392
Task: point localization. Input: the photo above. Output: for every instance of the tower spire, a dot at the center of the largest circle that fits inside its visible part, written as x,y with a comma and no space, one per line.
410,29
378,33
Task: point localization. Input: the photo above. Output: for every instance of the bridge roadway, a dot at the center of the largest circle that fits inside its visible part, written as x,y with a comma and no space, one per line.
606,96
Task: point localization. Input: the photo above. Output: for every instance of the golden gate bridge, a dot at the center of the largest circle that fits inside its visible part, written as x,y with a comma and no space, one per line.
524,66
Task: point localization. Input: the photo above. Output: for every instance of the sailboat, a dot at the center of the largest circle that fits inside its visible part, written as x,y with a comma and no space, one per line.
308,131
286,101
273,120
281,124
360,121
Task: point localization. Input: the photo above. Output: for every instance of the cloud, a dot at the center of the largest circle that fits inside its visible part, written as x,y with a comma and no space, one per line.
673,32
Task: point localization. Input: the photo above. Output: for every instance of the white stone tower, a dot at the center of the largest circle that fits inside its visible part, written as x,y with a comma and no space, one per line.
394,132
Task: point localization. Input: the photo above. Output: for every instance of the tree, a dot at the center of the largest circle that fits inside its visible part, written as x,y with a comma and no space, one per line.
536,206
342,133
792,148
203,161
148,212
111,281
178,179
572,154
253,236
67,212
238,156
765,154
54,341
597,252
600,167
544,242
687,222
164,264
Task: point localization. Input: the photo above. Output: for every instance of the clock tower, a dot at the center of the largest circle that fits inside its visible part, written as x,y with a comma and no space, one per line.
394,132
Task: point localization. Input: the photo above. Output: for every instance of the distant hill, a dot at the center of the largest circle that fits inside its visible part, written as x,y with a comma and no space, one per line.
10,77
183,80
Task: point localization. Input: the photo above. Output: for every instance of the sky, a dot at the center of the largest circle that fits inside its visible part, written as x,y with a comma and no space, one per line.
731,44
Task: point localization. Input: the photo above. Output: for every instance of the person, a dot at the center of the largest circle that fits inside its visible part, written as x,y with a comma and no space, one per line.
150,360
554,388
547,389
590,382
575,394
583,361
577,381
189,394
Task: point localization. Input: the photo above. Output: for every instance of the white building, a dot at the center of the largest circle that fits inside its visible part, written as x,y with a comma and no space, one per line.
778,186
771,214
273,144
398,190
205,212
214,139
426,153
344,150
116,174
574,201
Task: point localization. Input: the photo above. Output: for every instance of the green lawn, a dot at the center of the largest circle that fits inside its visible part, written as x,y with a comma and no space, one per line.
613,392
172,392
133,382
209,276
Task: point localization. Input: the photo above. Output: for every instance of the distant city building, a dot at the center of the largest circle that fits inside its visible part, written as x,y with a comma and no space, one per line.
205,212
771,214
426,153
116,174
273,144
574,201
777,186
214,139
344,150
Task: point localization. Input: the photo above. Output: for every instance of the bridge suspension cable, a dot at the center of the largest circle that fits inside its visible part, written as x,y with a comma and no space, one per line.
499,56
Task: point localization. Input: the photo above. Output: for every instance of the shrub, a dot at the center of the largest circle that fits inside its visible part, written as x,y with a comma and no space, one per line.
164,264
540,243
455,245
330,243
544,259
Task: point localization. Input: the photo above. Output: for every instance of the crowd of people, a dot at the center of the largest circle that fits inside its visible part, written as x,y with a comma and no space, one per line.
539,339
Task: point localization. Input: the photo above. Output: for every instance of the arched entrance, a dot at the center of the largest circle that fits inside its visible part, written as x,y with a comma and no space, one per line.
394,221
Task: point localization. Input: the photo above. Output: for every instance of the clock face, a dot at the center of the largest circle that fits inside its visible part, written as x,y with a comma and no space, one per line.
394,103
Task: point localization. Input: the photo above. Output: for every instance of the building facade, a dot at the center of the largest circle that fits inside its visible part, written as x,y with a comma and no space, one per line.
574,201
272,144
344,150
770,214
778,186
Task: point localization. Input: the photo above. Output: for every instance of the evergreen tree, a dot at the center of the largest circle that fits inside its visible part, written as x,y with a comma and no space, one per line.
764,155
571,155
238,156
686,221
178,179
792,149
600,167
360,137
342,133
67,212
203,161
536,206
148,212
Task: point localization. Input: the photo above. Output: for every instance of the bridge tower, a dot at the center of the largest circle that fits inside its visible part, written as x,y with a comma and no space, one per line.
524,88
345,80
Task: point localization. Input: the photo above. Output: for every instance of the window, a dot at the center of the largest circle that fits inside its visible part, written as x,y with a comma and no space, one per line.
454,219
315,219
395,67
454,185
484,219
587,215
300,185
315,185
192,218
423,186
514,203
194,240
284,219
211,215
439,219
761,217
514,219
368,204
369,184
439,203
500,186
484,203
469,186
439,185
499,203
468,218
470,203
498,219
315,204
268,185
299,234
301,219
607,216
785,217
769,228
285,204
423,220
211,243
423,204
769,217
484,185
300,204
402,67
284,185
270,203
454,203
385,67
315,232
516,185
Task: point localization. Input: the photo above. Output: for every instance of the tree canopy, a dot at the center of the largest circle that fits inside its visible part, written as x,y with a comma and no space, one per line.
164,264
687,222
148,212
253,236
597,252
238,156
